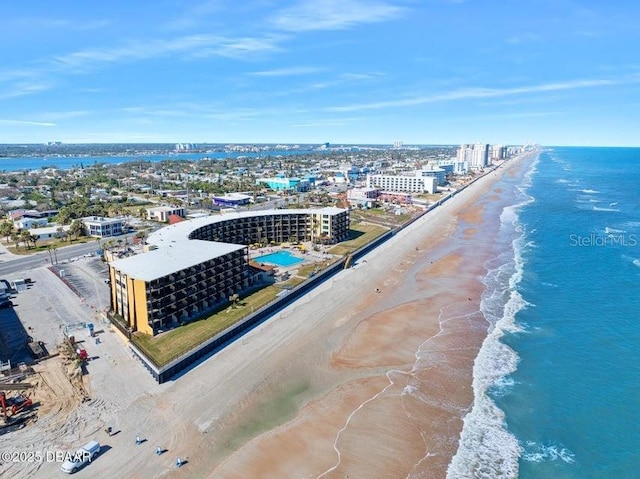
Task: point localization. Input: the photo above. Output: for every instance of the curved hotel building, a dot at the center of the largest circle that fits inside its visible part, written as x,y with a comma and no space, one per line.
193,267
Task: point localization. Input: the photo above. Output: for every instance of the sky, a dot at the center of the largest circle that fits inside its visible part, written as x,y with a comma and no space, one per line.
552,72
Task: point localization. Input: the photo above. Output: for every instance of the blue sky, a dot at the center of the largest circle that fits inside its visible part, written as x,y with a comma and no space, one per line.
556,72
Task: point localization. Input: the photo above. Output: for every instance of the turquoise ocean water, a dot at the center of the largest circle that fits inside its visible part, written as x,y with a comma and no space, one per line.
557,382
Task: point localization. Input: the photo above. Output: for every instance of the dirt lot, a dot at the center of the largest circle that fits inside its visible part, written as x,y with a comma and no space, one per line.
68,412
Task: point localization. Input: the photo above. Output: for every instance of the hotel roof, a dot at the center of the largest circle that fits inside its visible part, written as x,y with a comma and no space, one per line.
171,258
175,251
179,232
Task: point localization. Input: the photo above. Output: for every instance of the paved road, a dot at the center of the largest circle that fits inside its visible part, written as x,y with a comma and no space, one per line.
9,266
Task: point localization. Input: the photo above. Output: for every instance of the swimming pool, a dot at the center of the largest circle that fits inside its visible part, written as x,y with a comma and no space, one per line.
280,258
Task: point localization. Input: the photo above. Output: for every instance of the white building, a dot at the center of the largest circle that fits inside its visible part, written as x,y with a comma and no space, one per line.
477,156
433,171
458,167
48,232
417,183
363,196
28,222
162,213
102,227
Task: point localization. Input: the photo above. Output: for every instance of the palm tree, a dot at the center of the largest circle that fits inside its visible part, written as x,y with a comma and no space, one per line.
6,229
234,298
25,237
34,239
15,238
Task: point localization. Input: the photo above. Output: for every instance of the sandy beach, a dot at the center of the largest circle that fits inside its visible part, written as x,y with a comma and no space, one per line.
345,382
388,375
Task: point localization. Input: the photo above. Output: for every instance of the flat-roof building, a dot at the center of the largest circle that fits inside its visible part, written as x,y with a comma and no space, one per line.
102,227
162,213
195,266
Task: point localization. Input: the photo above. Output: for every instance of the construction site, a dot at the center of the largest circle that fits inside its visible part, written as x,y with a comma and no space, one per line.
60,360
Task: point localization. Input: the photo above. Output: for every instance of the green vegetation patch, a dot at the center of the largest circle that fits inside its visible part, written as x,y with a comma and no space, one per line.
276,410
360,235
166,347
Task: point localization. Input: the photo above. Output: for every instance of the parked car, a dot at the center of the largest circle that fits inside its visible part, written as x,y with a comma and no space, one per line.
81,457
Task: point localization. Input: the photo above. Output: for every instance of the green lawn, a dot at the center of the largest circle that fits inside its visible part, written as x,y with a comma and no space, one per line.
44,246
362,234
167,346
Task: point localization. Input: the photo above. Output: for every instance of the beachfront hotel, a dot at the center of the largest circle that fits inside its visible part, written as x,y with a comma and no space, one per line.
420,181
193,267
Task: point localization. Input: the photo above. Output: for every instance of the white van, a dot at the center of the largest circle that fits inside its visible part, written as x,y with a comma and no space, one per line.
81,457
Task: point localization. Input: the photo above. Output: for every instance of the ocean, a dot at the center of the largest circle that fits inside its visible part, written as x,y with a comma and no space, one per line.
557,380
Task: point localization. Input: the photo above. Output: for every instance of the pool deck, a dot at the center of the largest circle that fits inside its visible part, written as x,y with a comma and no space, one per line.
307,257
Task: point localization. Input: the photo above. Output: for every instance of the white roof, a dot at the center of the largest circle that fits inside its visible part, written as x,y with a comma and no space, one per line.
175,251
179,232
48,229
165,208
171,258
232,196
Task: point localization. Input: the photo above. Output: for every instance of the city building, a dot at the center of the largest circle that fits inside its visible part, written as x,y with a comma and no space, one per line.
477,156
457,167
49,232
193,267
363,197
417,183
232,199
278,183
29,222
162,213
102,227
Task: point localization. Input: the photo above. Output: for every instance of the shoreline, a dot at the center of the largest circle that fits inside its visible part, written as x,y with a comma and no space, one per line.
449,283
344,381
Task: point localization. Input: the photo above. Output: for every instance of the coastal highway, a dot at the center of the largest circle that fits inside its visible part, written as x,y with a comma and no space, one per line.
9,267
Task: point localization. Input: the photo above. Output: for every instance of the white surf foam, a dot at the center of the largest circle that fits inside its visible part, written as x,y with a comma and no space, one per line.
598,208
534,452
486,448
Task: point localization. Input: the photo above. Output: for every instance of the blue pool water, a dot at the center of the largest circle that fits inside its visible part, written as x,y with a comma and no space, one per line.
280,258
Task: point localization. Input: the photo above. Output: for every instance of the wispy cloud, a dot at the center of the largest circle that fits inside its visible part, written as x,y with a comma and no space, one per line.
24,88
195,46
196,14
308,15
63,115
45,23
290,71
26,123
472,93
340,80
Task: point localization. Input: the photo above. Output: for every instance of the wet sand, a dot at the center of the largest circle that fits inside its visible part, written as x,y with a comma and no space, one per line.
396,382
345,382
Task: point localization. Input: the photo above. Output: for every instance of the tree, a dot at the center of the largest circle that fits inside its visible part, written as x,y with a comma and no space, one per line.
6,229
142,235
25,237
234,298
77,228
142,213
15,238
34,239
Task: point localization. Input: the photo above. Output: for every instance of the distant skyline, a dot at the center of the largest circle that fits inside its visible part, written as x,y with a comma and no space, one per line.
554,72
